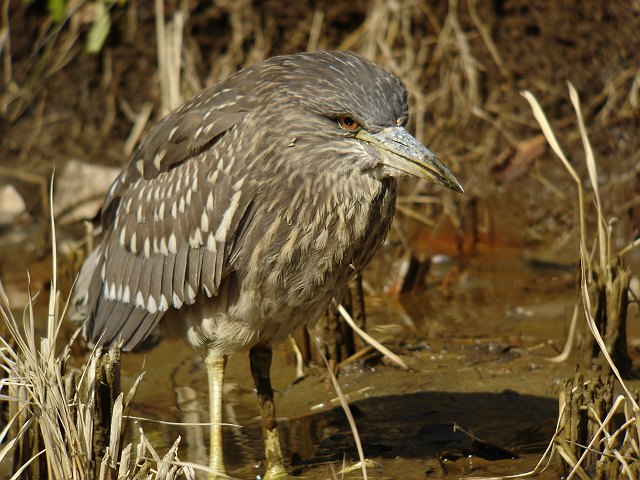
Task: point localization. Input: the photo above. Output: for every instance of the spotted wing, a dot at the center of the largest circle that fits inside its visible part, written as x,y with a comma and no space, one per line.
169,222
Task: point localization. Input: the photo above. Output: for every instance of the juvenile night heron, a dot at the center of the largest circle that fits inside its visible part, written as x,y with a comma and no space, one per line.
246,209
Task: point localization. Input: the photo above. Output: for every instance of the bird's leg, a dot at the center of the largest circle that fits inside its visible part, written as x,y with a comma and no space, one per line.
260,359
215,371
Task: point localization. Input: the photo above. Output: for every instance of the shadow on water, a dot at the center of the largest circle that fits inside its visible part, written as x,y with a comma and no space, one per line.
422,425
405,433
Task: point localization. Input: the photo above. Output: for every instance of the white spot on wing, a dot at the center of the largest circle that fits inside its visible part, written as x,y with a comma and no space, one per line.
151,305
157,159
163,246
172,132
196,240
191,295
204,222
221,233
132,243
173,248
238,185
163,306
139,300
147,247
211,243
176,301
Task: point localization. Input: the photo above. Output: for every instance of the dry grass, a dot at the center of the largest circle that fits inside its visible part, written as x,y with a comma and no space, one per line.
50,429
612,441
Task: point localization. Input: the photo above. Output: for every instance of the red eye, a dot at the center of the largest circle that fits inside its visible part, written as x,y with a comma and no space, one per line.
348,123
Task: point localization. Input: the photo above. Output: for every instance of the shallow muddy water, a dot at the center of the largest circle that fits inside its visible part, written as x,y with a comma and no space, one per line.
477,358
476,339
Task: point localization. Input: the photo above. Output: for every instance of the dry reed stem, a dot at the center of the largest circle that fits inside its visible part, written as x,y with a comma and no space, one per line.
486,38
603,243
169,41
345,407
630,428
314,32
5,44
370,340
139,124
51,406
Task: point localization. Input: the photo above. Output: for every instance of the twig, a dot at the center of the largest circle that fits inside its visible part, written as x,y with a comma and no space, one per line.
486,37
5,44
138,127
568,346
314,32
370,340
345,407
415,215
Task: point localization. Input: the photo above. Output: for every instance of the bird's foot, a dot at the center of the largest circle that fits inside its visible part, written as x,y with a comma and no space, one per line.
216,470
277,471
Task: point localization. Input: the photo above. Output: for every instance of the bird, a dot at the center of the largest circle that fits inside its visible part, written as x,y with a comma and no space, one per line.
244,211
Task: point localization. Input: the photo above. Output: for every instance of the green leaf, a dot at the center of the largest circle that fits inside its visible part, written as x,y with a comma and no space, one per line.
100,28
56,9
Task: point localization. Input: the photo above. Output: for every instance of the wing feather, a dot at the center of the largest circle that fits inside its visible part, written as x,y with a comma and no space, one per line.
207,274
155,284
180,189
167,279
195,267
179,274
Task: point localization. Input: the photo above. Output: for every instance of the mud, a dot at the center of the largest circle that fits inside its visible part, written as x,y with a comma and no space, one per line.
478,360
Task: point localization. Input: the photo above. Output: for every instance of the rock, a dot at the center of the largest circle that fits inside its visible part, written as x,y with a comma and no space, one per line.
11,205
80,188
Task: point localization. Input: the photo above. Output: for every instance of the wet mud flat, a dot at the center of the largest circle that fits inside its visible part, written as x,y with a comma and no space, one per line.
479,360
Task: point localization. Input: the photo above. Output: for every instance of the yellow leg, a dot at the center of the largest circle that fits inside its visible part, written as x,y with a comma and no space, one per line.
260,359
215,371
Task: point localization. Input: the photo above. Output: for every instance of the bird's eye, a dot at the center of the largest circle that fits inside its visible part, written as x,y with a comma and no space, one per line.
348,123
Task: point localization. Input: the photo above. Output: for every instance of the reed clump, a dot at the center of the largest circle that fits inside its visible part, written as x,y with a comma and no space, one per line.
54,412
591,439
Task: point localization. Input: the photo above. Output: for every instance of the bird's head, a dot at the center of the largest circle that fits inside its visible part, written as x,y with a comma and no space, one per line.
340,105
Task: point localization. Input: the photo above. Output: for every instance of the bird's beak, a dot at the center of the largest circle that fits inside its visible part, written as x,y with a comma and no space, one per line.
403,152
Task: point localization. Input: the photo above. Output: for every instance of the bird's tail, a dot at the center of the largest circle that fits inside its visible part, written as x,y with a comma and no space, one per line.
80,297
